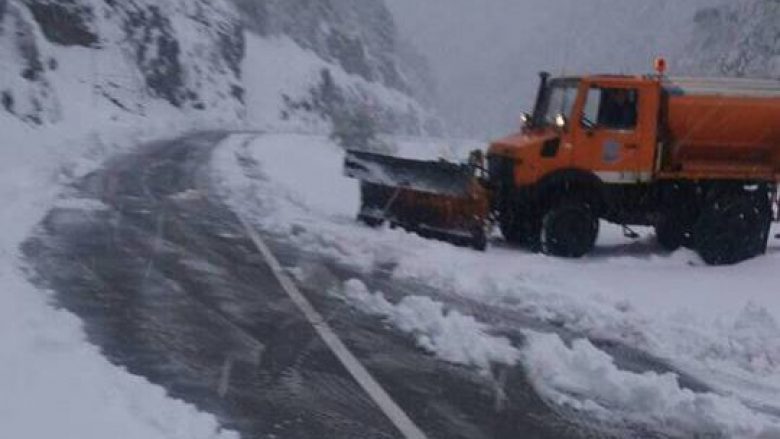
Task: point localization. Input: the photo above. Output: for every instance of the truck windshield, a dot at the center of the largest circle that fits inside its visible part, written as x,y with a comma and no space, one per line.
558,99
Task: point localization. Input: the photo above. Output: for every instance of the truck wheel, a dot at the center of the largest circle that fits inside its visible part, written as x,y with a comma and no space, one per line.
370,221
479,239
371,201
733,228
670,232
569,230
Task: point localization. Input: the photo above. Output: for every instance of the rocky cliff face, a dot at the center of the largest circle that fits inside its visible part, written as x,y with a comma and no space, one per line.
738,39
133,52
358,35
190,54
25,91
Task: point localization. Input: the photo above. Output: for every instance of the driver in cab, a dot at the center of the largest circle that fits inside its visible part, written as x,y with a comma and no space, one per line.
619,110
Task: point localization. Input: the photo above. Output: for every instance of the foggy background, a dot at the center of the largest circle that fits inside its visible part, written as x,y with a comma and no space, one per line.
486,54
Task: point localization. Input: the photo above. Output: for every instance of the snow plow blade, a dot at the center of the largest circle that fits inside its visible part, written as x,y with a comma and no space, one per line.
434,199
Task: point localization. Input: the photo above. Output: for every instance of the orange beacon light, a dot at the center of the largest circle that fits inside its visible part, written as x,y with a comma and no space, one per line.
660,65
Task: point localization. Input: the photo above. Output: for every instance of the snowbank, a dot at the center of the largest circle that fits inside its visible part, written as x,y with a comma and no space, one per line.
718,324
55,384
586,378
450,335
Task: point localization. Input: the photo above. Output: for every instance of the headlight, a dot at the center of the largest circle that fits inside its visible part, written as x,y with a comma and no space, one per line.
560,121
525,119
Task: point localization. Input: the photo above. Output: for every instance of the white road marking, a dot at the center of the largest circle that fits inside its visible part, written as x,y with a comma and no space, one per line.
369,384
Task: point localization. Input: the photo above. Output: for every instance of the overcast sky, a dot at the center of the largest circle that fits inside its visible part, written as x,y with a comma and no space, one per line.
486,53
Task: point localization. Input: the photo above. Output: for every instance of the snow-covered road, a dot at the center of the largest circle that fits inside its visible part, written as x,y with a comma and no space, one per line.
170,287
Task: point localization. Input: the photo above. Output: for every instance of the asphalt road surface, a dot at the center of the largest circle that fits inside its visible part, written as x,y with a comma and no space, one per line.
170,286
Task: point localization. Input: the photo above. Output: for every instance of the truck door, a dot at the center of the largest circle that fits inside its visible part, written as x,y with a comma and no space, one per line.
611,137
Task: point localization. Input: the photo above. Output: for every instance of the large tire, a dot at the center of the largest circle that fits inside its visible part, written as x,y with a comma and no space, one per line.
479,239
671,232
370,221
372,200
569,230
733,228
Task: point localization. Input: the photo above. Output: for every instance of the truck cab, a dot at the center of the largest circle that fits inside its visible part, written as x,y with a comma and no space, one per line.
605,126
641,150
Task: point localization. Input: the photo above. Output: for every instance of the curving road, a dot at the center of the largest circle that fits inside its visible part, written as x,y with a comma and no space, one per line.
170,286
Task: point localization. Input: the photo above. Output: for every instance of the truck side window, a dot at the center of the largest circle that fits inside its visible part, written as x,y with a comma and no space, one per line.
590,114
611,108
618,109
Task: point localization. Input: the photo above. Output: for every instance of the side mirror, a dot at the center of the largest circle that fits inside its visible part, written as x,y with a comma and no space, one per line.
587,123
477,158
561,122
476,163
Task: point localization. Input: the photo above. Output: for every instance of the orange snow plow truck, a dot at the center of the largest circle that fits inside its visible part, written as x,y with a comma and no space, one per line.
698,159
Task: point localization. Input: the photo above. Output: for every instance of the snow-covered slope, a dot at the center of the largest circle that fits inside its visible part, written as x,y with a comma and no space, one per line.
357,35
133,55
335,62
290,88
738,39
716,324
62,60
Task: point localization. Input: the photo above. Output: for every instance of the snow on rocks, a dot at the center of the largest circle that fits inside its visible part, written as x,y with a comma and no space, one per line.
282,80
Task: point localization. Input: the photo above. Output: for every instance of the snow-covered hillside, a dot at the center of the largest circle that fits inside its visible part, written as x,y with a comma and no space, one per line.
738,39
718,325
289,88
63,60
358,35
335,62
133,54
